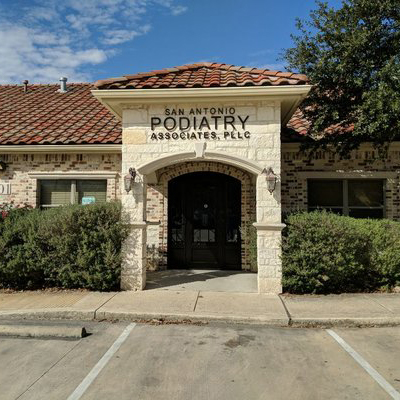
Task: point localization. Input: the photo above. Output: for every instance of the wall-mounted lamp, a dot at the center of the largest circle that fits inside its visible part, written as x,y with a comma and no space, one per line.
3,166
271,179
129,179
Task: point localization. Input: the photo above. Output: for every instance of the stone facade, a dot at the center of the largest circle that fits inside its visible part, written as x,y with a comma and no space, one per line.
158,160
363,163
22,167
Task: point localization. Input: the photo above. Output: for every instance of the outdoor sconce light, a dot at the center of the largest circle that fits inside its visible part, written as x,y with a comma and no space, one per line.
271,179
129,179
3,166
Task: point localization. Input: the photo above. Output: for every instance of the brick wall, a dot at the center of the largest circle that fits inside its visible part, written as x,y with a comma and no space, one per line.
363,163
24,188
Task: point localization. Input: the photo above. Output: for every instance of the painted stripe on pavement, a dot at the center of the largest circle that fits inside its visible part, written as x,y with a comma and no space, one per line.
382,382
92,375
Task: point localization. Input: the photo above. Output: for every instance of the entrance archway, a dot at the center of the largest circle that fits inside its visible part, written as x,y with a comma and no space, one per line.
158,205
204,218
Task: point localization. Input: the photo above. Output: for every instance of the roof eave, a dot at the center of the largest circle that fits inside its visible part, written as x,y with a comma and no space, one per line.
116,99
55,148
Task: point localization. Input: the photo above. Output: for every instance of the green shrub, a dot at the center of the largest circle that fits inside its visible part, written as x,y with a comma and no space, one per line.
69,247
327,253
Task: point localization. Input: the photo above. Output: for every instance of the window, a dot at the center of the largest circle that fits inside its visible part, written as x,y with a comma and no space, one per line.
55,193
358,198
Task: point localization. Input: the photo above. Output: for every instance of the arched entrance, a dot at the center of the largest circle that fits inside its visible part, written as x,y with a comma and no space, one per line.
204,217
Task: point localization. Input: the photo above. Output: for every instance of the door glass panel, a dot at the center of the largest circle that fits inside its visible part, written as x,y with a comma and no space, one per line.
204,235
204,214
177,235
233,213
232,235
177,223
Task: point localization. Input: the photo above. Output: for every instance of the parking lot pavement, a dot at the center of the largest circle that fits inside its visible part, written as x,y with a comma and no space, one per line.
380,346
201,362
51,369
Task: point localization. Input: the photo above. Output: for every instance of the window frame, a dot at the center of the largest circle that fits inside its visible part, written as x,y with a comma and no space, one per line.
345,190
74,198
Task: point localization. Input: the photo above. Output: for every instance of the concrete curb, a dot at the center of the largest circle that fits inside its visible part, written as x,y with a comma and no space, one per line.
50,314
346,322
42,331
203,318
128,316
79,315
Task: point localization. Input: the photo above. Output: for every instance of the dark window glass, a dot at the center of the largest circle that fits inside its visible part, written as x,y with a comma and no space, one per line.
365,197
325,193
366,213
365,193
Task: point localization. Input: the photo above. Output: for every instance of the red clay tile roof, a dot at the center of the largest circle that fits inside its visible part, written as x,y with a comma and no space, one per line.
298,123
44,116
202,75
298,127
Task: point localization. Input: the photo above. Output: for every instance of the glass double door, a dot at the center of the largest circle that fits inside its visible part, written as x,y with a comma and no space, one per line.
204,211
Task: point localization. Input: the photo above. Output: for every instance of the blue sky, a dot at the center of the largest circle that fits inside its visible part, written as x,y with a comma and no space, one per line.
86,40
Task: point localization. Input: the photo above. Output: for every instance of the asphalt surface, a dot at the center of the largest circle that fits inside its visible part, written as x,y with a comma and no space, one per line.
140,361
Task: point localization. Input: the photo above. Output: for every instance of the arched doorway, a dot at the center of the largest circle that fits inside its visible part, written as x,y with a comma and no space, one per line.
204,215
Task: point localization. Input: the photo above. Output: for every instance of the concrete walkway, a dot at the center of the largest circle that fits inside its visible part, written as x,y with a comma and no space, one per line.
318,311
204,280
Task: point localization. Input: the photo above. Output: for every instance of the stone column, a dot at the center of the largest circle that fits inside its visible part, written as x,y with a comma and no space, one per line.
269,229
133,273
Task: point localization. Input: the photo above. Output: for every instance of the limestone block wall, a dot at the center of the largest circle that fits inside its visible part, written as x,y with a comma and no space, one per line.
24,189
262,147
363,163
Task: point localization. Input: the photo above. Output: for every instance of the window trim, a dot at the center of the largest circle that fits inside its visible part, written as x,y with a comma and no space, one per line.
346,175
101,175
345,182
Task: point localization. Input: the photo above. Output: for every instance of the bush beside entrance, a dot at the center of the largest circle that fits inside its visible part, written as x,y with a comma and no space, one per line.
80,247
68,247
327,253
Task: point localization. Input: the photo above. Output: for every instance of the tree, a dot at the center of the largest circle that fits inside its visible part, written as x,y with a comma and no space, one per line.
352,58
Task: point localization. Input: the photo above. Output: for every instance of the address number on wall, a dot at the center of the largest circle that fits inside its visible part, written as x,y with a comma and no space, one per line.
5,188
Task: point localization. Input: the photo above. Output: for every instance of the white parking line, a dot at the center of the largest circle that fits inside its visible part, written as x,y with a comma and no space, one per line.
385,385
92,375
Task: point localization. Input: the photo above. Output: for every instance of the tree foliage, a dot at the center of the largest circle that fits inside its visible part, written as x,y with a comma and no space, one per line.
352,58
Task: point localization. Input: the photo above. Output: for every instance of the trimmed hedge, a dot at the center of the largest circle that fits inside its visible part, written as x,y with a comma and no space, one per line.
327,253
69,247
